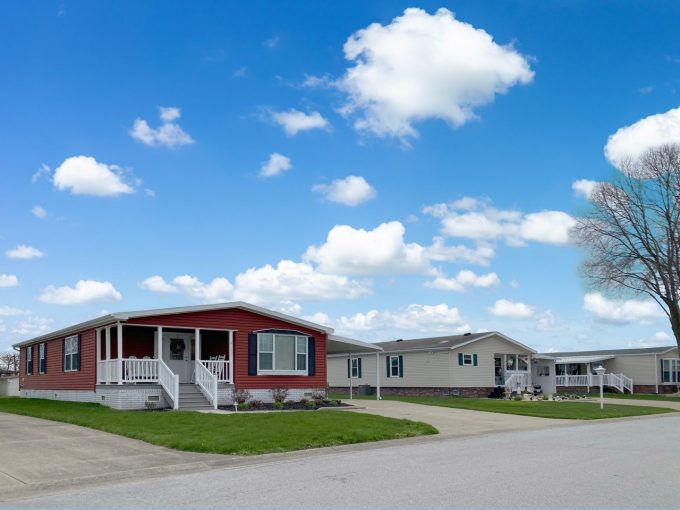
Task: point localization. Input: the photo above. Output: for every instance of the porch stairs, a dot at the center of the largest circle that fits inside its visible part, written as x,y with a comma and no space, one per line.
191,399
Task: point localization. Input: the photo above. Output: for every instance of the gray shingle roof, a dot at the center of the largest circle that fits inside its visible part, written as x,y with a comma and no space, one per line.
613,352
439,342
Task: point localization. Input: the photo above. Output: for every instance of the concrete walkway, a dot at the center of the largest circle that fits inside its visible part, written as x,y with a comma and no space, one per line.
456,422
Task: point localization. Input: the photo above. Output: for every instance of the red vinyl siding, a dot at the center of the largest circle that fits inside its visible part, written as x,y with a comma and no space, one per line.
55,378
245,322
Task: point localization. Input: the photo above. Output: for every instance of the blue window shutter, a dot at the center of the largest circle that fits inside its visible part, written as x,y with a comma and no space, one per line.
77,362
387,359
311,356
401,366
44,370
460,359
252,354
359,367
474,359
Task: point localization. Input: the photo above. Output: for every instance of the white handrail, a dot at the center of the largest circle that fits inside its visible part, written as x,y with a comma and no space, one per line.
207,382
170,382
619,381
220,368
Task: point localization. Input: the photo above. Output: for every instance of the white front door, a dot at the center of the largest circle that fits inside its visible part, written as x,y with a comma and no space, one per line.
177,354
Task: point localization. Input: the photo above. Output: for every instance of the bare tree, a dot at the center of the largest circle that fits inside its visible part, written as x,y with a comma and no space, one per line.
632,231
9,361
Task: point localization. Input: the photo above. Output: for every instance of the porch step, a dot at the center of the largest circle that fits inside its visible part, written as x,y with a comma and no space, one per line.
191,398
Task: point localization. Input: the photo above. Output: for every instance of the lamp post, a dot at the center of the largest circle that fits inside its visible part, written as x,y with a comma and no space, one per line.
600,371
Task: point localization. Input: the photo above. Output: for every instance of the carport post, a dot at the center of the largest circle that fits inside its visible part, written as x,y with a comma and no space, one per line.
350,375
377,376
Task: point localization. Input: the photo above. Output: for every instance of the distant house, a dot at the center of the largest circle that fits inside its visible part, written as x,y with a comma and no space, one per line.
471,364
184,358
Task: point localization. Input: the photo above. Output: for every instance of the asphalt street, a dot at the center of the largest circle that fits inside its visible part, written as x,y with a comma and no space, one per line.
632,463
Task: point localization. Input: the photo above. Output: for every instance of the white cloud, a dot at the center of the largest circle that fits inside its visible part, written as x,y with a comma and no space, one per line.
83,175
43,171
275,165
24,252
477,219
352,190
39,212
218,290
10,311
295,121
621,311
513,310
424,66
463,280
168,134
295,281
8,280
85,291
583,187
546,321
661,336
158,284
33,326
632,141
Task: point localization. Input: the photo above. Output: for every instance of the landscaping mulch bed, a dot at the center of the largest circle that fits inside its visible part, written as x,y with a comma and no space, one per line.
290,406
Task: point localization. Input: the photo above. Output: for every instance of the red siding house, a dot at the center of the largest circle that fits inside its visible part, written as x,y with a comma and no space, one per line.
184,358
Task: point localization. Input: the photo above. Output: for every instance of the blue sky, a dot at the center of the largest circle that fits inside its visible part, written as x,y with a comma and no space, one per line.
135,139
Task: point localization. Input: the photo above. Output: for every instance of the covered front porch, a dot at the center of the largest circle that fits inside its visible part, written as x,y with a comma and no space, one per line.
169,356
579,371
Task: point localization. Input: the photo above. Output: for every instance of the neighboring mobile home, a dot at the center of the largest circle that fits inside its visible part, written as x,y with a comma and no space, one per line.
470,364
188,357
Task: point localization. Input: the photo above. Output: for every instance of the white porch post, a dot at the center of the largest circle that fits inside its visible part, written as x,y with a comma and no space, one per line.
119,338
377,376
350,376
108,355
231,357
98,337
656,372
197,340
159,342
588,370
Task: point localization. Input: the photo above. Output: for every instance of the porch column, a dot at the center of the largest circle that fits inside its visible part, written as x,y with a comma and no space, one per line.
350,375
197,341
231,357
588,371
377,376
119,338
98,338
159,342
108,355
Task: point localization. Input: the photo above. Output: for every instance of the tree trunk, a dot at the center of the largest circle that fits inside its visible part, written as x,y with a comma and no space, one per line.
674,313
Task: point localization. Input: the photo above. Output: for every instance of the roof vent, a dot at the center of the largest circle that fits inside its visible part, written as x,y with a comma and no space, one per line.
467,334
400,340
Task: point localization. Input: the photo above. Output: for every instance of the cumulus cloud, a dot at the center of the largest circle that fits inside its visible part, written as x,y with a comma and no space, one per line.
661,336
168,134
632,141
513,310
218,290
8,280
473,218
39,212
158,284
24,252
621,311
295,121
84,175
33,326
352,190
275,165
423,66
464,280
583,188
85,291
10,311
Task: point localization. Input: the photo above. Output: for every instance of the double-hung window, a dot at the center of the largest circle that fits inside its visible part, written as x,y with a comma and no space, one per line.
29,359
354,366
670,371
42,358
71,354
467,359
284,354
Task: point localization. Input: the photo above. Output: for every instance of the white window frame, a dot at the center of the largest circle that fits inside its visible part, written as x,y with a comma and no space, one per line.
274,370
41,357
354,368
468,360
525,358
393,366
29,359
70,356
673,370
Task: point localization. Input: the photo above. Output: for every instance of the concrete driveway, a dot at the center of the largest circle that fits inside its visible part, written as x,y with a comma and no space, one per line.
456,422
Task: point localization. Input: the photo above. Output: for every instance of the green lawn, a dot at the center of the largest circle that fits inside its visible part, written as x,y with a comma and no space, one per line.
637,396
242,434
570,410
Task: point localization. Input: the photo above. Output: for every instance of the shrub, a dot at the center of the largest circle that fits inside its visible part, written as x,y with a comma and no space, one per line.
319,395
256,403
243,406
242,396
290,402
279,394
277,405
310,403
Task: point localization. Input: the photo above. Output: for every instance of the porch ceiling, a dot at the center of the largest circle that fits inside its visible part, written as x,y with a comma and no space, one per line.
582,359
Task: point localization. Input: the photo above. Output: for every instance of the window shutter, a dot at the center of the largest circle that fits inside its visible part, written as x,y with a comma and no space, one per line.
63,355
460,359
252,354
401,366
349,368
474,359
77,361
311,356
387,359
44,370
359,367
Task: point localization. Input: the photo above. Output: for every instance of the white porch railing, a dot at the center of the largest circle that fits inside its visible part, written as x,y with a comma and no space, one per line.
221,368
169,381
517,382
206,381
107,371
573,380
140,370
619,381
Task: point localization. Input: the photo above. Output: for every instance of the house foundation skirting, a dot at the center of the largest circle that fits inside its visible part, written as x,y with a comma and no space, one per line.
118,397
423,392
265,395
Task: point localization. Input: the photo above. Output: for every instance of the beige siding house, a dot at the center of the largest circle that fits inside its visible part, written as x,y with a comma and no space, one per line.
471,364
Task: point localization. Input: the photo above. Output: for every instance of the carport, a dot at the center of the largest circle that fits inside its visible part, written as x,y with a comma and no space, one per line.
350,347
